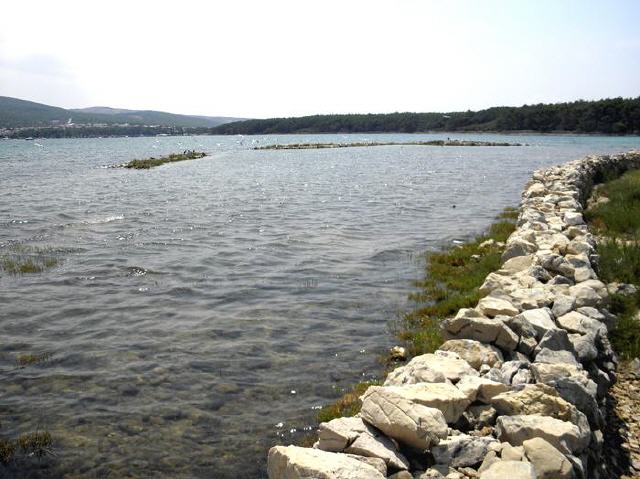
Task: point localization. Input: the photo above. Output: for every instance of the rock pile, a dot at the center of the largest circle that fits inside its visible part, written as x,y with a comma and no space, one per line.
518,388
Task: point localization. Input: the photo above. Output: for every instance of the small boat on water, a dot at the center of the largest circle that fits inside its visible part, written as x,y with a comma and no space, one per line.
29,138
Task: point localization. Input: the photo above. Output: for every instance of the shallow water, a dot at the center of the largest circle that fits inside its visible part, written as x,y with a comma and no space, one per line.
204,310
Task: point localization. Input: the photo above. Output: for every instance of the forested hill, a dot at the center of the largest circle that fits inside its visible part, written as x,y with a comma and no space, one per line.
16,113
611,116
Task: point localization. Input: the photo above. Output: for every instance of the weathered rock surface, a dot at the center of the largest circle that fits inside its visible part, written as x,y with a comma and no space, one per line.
510,470
471,324
352,435
492,307
534,399
462,450
480,389
430,368
293,462
563,435
446,397
547,461
401,419
474,352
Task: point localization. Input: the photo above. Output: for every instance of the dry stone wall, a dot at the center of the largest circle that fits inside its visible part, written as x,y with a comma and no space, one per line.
518,388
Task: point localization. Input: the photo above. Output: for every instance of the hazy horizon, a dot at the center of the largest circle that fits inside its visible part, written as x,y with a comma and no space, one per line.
280,59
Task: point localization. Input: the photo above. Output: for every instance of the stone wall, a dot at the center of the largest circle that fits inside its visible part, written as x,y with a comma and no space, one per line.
518,388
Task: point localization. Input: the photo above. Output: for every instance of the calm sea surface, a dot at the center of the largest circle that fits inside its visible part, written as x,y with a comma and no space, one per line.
202,311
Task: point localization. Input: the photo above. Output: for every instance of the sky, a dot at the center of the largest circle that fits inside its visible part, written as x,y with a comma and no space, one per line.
268,58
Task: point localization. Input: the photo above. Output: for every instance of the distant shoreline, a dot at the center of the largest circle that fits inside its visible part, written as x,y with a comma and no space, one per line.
437,132
319,146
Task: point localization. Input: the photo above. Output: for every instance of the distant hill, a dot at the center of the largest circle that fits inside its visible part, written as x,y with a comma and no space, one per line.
610,116
16,113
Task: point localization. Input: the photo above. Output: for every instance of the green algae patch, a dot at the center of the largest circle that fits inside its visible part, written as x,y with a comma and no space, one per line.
172,158
31,359
317,146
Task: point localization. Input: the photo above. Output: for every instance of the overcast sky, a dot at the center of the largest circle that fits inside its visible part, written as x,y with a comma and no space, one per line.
264,58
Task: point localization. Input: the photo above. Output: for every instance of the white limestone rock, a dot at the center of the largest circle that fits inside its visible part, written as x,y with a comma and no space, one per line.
540,320
430,368
470,324
548,462
562,435
403,420
446,397
352,435
538,399
474,352
481,389
491,307
508,469
518,247
293,462
573,219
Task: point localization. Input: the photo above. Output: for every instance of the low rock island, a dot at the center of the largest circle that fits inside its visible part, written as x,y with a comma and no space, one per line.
317,146
172,158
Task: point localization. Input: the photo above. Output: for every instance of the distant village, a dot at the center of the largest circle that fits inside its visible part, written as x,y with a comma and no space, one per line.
69,129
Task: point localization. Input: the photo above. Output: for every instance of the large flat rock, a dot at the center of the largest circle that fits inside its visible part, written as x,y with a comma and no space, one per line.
293,462
402,419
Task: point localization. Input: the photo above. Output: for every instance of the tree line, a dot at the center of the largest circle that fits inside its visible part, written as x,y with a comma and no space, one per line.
104,131
610,116
618,116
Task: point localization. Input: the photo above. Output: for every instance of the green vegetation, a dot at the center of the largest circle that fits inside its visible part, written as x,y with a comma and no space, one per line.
348,405
615,217
172,158
314,146
31,444
452,279
23,259
16,113
610,116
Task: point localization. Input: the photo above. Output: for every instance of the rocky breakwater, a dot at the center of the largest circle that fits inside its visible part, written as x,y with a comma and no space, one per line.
518,389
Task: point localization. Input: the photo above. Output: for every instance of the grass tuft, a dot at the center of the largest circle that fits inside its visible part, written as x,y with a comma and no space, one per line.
348,405
25,259
615,217
620,215
38,444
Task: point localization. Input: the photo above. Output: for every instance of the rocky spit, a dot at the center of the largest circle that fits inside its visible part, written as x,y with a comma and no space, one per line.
521,387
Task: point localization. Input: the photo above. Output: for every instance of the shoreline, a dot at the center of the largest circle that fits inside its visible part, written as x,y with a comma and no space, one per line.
429,132
532,359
